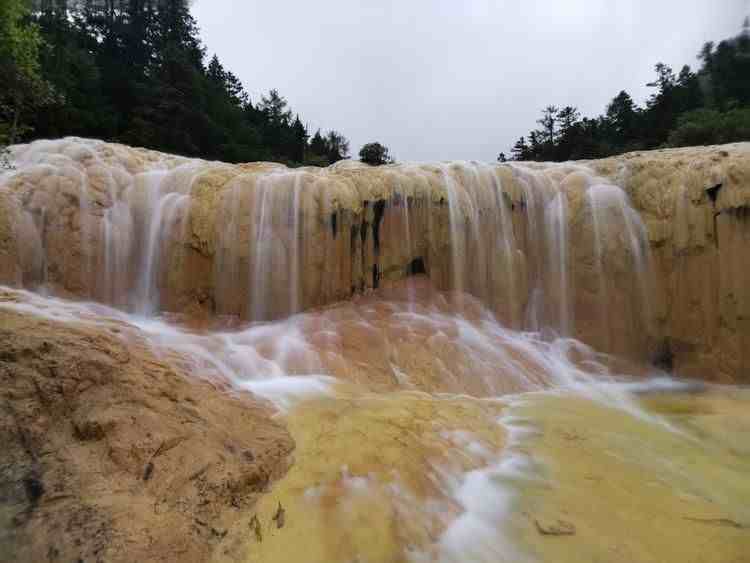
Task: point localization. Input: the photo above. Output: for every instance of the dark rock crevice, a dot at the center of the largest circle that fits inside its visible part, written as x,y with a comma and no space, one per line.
713,192
379,210
334,224
416,267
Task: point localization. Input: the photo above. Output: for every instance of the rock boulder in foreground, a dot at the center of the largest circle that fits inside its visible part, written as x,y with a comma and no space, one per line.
110,454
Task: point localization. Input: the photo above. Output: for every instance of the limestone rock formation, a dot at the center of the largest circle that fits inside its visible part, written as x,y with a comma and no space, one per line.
695,202
112,454
642,255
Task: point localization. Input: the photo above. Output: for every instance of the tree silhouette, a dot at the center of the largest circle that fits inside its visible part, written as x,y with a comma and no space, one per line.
134,71
375,154
711,105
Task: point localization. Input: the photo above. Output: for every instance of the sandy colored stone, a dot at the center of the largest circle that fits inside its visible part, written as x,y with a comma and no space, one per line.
110,454
359,227
366,469
633,489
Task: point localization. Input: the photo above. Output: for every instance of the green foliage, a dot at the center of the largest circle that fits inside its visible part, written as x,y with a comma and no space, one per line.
711,127
135,71
24,90
374,154
688,108
19,41
521,150
336,146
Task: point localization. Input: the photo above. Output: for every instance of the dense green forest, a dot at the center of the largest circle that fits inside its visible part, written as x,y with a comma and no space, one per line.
707,106
135,71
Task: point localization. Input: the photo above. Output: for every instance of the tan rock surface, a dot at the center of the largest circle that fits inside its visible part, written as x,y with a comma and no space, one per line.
371,477
110,454
634,490
694,202
321,235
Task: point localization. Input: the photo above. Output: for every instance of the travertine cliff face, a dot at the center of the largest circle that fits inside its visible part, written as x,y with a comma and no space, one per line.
695,204
640,255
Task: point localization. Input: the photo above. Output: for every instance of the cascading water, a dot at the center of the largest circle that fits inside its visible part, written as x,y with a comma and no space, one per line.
556,225
263,231
458,234
616,224
416,327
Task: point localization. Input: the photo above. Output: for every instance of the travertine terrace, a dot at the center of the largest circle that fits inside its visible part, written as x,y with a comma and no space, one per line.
643,255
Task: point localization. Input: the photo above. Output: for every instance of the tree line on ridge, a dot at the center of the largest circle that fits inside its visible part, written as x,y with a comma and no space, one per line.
703,107
136,72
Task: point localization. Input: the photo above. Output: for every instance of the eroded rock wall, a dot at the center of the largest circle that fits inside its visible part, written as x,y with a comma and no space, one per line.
546,246
695,202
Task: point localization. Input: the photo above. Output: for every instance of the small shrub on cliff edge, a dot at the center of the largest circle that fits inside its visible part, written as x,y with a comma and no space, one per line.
375,154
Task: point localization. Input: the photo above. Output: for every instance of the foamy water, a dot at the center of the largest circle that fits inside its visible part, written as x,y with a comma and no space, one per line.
413,408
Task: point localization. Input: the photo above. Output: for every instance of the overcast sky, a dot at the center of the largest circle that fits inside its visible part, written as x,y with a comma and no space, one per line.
454,79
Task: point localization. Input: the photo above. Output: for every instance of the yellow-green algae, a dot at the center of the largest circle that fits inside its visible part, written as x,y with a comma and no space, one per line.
633,489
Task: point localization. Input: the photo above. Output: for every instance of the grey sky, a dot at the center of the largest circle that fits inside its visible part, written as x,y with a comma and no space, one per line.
454,79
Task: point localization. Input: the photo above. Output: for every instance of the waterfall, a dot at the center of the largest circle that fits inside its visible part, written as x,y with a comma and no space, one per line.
618,227
556,231
169,210
296,218
274,289
458,242
262,241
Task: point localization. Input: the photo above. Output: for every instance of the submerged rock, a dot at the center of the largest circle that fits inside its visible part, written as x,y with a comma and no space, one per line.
555,528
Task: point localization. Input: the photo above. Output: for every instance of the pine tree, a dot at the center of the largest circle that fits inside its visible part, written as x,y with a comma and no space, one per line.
568,136
318,144
567,118
133,71
548,123
520,150
236,90
216,73
337,147
173,113
299,133
274,106
689,107
622,117
536,151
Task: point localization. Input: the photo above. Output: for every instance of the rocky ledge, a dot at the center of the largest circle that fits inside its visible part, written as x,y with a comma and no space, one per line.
112,454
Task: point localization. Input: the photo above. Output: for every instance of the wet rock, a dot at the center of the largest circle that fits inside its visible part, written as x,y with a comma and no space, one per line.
148,471
279,517
727,522
554,527
355,219
256,528
219,532
34,488
79,476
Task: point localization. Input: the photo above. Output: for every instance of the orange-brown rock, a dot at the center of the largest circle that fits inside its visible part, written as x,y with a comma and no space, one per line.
110,454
